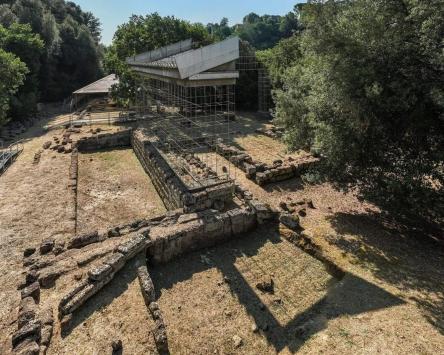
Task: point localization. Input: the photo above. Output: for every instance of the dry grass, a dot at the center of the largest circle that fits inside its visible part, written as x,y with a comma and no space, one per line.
209,297
391,301
118,312
34,205
113,189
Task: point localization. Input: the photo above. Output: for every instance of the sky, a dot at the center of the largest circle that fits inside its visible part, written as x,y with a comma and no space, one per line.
115,12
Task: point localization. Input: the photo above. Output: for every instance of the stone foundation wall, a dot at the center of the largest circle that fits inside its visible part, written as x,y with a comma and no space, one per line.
197,231
173,191
105,141
261,173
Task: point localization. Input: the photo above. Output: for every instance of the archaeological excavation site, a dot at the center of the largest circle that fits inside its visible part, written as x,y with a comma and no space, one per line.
179,225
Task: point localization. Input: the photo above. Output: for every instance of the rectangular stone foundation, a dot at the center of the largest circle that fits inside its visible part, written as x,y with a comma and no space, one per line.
173,191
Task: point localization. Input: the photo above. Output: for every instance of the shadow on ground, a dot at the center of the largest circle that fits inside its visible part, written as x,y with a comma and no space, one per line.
106,296
398,255
349,296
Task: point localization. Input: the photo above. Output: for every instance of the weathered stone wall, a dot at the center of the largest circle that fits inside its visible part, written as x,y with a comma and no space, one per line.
198,230
261,173
105,141
72,187
173,191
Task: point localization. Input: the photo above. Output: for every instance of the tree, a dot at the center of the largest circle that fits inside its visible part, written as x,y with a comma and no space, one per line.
220,31
28,46
71,56
145,33
7,17
367,93
12,72
264,32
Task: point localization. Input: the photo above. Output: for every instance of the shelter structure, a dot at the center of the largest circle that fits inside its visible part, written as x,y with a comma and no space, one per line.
187,97
98,89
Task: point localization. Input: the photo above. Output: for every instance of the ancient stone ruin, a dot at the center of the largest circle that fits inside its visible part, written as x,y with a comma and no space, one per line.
185,113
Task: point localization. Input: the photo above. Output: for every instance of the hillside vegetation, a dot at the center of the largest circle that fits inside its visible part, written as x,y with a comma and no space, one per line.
57,46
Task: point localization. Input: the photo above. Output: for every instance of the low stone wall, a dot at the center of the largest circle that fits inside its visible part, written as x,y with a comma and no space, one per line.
173,191
261,173
198,230
105,141
149,295
271,132
72,187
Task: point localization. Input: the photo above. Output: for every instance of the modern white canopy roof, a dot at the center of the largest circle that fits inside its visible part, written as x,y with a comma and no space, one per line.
179,61
102,86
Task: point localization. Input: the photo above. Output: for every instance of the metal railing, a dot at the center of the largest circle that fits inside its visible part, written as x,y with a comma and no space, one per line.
7,155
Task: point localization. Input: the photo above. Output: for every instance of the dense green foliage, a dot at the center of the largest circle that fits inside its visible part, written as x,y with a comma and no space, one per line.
59,45
20,40
12,74
364,86
145,33
261,32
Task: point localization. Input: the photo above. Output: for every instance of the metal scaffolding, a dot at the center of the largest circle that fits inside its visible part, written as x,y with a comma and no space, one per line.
186,99
186,123
249,62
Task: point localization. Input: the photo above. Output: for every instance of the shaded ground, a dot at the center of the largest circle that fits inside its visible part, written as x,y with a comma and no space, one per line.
113,189
222,300
210,297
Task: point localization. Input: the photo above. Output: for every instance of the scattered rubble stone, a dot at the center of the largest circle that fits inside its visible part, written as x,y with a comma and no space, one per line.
59,247
117,345
27,347
283,206
41,264
302,212
309,203
27,312
33,291
31,331
48,278
47,316
83,240
37,156
46,246
47,145
28,252
29,261
254,328
266,285
290,221
31,277
237,341
21,285
65,323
